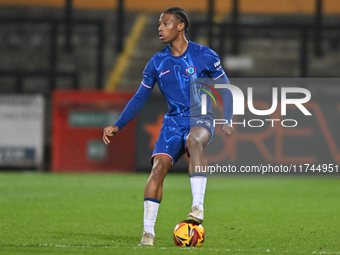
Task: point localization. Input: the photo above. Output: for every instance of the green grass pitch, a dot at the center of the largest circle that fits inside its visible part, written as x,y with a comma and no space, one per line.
103,214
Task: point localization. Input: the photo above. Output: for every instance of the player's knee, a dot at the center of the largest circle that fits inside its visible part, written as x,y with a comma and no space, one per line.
194,142
159,170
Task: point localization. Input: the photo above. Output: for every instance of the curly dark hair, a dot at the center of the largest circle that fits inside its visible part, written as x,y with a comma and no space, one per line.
181,14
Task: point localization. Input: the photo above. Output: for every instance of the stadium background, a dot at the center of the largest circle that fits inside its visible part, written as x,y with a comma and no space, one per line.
54,47
68,68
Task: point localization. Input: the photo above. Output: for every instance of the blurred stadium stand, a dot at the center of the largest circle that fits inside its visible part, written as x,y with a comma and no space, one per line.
282,43
33,40
267,44
254,39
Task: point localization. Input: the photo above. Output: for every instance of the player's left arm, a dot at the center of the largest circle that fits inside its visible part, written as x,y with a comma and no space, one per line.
218,74
227,106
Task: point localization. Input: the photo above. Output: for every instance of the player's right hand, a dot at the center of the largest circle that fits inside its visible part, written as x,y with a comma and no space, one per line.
108,132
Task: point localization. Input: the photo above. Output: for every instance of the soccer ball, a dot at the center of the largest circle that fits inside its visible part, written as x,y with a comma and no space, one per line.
189,234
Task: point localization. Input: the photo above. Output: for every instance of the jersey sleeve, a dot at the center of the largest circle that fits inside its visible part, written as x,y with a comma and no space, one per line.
139,99
149,78
216,72
227,104
213,64
133,107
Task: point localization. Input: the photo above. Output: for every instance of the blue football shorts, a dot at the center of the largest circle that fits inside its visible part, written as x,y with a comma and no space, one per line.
172,138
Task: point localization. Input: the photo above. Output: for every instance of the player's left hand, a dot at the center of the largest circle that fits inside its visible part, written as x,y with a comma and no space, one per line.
227,130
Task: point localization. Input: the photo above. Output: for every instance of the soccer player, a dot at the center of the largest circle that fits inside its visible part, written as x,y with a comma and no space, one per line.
183,131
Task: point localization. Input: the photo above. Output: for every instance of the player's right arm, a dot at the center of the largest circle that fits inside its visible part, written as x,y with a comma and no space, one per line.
131,109
134,105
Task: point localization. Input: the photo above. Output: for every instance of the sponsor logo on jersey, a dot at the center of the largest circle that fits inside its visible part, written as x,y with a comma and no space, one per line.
162,73
218,65
203,123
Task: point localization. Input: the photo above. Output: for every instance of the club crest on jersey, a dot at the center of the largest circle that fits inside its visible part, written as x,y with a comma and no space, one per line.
191,70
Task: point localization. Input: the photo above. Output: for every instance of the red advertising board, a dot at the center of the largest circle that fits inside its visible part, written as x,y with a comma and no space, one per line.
78,121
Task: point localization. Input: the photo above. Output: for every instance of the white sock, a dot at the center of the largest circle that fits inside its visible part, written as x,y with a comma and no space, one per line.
150,214
198,183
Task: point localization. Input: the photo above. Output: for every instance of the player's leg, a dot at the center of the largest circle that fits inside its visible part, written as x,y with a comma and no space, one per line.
197,140
168,149
154,185
153,195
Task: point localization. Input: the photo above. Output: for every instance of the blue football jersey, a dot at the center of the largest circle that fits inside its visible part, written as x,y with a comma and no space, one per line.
176,77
